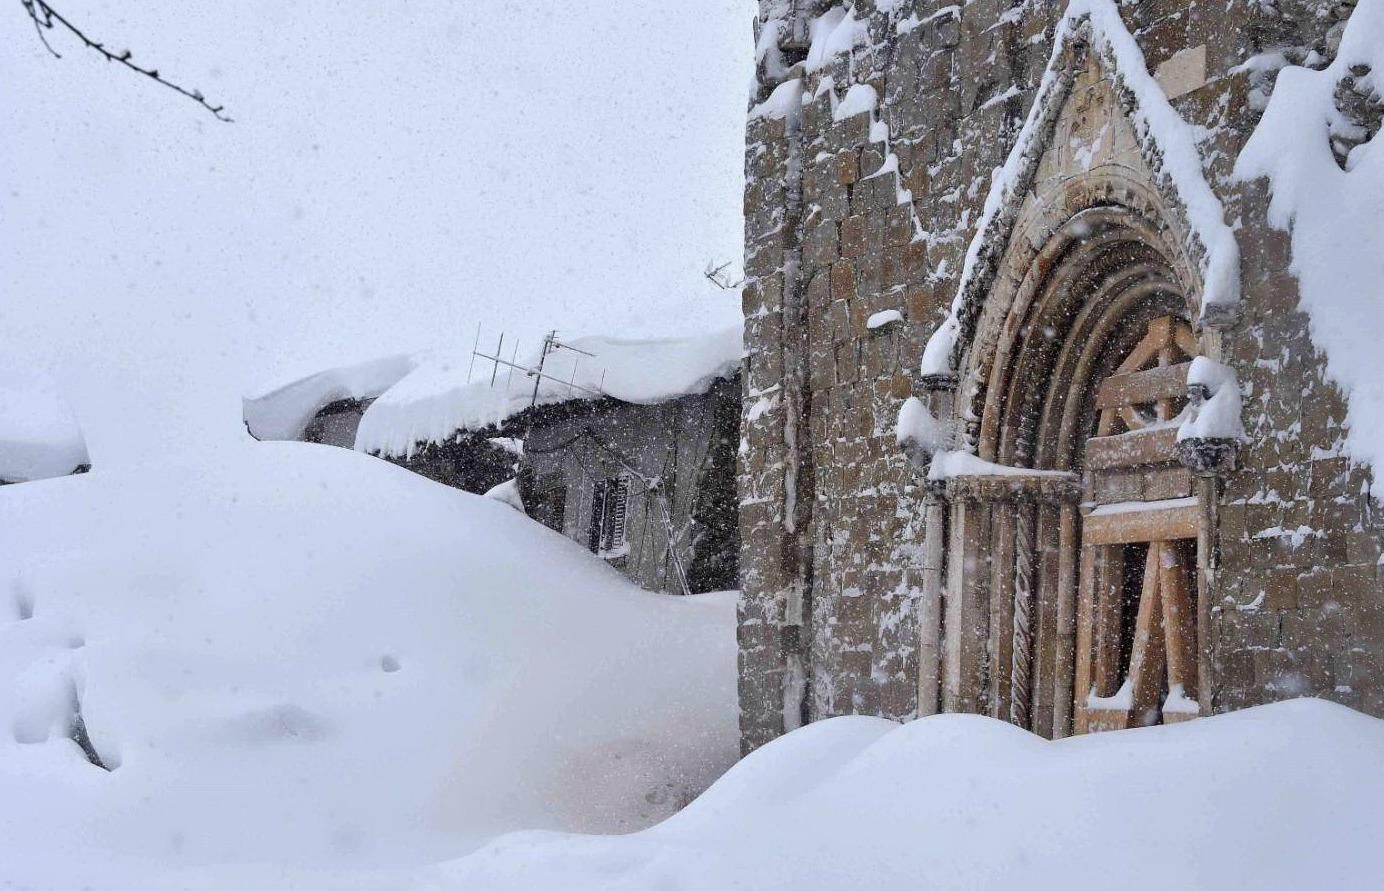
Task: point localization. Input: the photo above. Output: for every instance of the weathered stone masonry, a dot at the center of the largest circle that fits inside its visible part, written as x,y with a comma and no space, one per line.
849,215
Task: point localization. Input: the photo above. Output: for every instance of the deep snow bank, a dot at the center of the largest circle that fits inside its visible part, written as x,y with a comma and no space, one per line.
1283,796
301,655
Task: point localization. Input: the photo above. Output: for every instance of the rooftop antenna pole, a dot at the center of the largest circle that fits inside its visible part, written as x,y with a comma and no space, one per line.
542,360
475,347
496,369
513,360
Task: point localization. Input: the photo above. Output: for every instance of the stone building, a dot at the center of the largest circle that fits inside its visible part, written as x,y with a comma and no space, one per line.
1034,423
649,487
625,446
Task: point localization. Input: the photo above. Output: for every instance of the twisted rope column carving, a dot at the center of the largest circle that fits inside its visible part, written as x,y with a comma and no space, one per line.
1022,662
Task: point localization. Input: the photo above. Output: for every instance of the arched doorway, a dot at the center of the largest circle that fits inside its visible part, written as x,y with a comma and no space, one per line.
1070,566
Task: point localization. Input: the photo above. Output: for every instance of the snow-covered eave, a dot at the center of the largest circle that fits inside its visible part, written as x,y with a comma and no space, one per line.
522,413
284,413
1169,147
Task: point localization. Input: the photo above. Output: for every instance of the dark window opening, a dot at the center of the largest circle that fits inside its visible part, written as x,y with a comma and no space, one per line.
609,505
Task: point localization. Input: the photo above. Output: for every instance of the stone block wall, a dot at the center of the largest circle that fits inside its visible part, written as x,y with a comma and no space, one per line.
849,215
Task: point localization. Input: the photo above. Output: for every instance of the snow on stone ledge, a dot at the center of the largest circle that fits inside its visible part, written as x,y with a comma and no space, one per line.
435,401
1154,119
283,413
882,318
39,436
1217,416
1335,217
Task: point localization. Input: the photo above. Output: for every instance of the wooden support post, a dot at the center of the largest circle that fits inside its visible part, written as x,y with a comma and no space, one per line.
1105,625
1208,561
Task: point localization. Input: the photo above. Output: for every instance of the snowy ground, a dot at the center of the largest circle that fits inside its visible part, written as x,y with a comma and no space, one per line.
303,656
309,669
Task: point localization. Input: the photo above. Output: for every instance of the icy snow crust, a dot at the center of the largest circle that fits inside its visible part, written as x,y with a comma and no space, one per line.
1335,219
311,658
39,437
435,401
283,413
1155,121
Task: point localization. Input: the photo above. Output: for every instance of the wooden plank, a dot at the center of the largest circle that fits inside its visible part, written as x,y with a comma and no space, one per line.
1142,684
1108,599
1156,446
1176,520
1143,387
1148,483
1179,619
1162,483
1149,654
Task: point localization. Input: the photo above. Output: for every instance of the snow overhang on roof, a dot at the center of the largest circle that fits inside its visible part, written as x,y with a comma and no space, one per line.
283,414
447,395
39,435
1169,146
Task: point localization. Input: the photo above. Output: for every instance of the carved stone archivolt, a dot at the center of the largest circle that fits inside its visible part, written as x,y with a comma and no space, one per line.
1068,599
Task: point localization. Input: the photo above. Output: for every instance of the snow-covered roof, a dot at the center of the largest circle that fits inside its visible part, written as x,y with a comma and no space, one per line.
282,414
1334,216
39,436
1177,162
435,400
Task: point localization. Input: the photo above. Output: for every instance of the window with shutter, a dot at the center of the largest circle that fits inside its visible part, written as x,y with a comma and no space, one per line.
609,506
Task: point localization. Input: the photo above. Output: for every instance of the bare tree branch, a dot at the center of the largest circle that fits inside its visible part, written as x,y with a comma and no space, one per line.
45,18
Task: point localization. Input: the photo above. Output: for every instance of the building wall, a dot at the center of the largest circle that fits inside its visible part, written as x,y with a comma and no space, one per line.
682,444
832,546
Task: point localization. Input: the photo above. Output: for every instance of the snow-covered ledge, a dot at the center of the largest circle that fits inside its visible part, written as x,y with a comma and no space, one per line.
1209,438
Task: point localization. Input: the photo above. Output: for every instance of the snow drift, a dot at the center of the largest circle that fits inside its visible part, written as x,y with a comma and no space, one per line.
302,656
1278,797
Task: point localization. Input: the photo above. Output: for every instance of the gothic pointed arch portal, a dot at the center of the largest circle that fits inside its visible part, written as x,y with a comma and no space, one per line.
1071,590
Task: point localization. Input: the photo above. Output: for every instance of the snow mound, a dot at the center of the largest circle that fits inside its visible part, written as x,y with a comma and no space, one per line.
435,401
1278,797
282,414
1334,215
39,436
310,658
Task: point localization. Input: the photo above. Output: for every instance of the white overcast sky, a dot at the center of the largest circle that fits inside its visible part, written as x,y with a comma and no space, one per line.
396,173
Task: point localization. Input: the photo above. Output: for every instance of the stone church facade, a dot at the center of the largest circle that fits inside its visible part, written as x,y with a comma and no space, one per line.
1086,539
